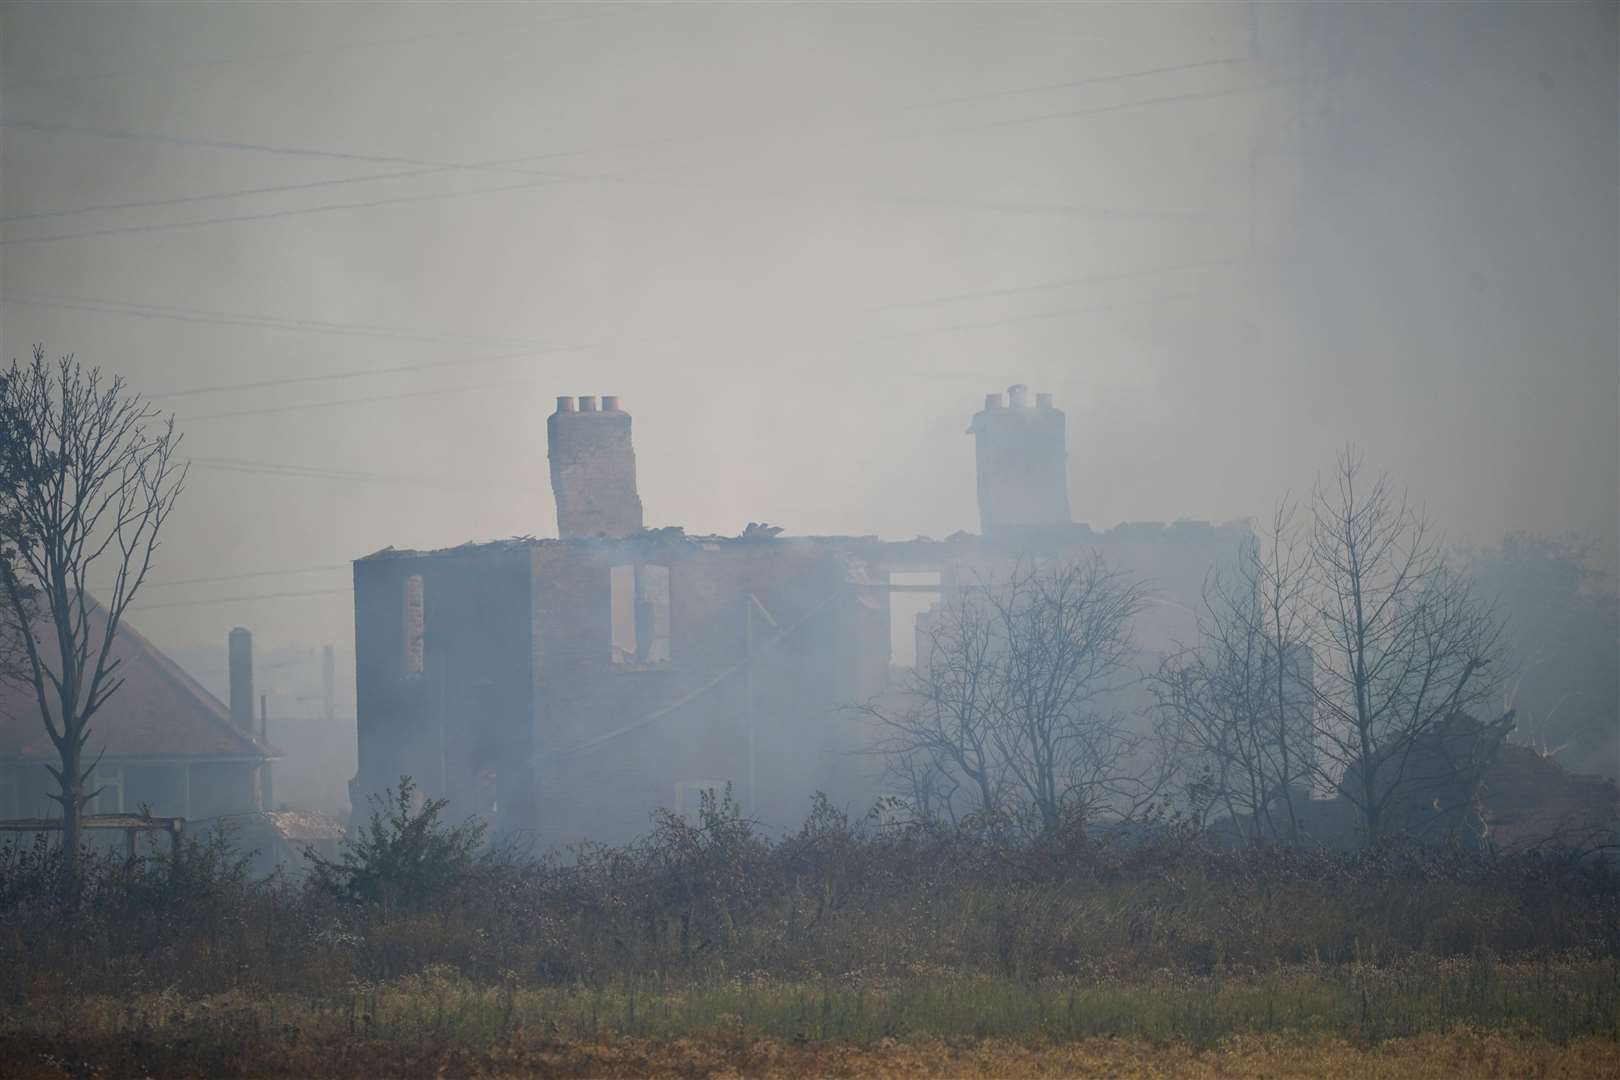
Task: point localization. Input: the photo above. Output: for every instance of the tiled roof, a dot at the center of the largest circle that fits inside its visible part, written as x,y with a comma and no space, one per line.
159,711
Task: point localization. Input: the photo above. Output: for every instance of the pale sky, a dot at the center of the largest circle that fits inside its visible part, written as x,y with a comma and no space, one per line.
802,242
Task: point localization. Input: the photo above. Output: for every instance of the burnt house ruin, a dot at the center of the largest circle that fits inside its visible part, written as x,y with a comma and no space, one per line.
570,687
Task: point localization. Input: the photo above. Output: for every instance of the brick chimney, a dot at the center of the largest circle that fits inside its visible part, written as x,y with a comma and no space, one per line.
240,652
1022,462
593,469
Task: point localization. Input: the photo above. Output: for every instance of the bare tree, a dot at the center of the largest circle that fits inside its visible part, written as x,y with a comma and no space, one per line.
1234,710
1067,646
940,744
90,480
1281,571
1210,705
1402,645
1012,700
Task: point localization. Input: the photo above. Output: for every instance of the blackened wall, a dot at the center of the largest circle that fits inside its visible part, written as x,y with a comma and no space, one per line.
615,740
461,726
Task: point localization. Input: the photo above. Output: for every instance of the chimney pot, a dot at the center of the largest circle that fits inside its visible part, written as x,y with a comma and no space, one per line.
610,402
565,403
1043,401
992,401
1018,395
587,403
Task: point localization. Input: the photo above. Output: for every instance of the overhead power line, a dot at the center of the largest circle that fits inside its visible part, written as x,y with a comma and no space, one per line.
180,200
311,472
286,54
368,399
628,177
217,600
268,322
1058,313
994,206
1061,313
336,376
273,214
1098,110
1095,213
206,143
1072,84
445,391
503,163
774,126
261,384
217,579
1060,283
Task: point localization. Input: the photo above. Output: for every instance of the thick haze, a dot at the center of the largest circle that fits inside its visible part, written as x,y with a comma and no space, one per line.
802,242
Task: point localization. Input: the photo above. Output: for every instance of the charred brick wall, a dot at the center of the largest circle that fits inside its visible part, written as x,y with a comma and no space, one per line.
442,679
689,719
512,677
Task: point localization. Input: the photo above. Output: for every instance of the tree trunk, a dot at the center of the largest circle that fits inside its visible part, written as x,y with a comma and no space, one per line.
72,799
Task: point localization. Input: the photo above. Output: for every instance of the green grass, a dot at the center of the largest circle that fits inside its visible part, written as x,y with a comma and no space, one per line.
1554,1001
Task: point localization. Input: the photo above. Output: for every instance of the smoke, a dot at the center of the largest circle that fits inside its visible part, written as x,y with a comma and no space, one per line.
802,242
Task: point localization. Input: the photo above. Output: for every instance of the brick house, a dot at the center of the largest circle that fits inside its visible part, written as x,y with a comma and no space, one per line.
569,687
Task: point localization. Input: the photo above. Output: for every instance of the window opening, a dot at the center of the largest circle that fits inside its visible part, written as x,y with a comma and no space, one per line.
414,626
639,607
906,605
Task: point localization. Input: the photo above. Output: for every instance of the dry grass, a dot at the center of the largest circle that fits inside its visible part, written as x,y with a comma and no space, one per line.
1426,1019
1459,1053
712,951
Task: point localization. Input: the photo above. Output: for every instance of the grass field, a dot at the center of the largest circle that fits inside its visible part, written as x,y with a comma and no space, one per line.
1461,1053
1424,1018
709,950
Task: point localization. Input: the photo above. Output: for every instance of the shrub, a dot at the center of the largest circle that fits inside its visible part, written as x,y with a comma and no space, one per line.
712,898
405,858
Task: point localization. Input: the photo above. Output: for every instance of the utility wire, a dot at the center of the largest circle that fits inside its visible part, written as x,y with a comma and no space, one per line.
1041,316
443,392
267,58
1071,84
305,472
898,335
1061,283
987,205
1094,213
268,322
335,376
217,600
179,200
273,214
772,128
329,567
1057,313
1098,110
291,380
548,179
114,307
206,143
